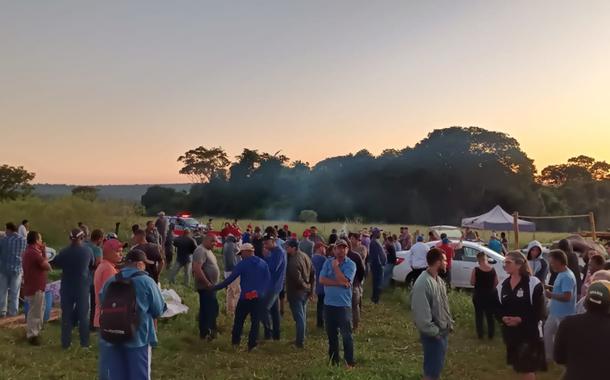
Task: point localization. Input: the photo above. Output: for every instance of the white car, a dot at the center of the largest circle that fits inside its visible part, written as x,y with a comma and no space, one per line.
464,261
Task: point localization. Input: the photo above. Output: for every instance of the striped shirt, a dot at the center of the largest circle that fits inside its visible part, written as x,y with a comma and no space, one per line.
11,249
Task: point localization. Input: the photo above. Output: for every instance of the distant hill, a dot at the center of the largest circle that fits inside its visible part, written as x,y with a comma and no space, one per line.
124,192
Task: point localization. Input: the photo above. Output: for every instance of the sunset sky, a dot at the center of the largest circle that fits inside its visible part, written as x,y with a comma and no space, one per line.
114,91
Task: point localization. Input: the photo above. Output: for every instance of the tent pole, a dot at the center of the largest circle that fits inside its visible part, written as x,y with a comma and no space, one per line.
516,228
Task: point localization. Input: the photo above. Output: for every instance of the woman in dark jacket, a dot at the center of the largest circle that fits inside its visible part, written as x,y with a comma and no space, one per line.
521,311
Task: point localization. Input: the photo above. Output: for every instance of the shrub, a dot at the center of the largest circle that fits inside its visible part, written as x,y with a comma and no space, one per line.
308,216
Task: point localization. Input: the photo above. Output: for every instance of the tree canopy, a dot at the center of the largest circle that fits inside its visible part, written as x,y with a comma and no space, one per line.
15,182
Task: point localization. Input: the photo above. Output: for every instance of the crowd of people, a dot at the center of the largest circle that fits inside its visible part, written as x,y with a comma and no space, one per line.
540,306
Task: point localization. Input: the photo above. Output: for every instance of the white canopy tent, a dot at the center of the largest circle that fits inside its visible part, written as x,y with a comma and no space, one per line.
497,220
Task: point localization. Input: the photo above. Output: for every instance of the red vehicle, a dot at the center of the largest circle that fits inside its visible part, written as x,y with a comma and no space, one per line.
184,221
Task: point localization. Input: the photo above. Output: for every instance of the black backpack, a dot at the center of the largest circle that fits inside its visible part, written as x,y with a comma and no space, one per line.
118,314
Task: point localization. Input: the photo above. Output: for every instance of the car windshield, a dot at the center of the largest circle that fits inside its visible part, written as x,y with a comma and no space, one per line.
188,222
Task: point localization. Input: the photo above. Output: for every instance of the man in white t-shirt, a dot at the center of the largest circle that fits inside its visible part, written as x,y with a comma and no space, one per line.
23,229
418,260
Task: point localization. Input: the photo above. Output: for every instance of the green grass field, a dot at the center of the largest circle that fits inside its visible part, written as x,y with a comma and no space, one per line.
387,347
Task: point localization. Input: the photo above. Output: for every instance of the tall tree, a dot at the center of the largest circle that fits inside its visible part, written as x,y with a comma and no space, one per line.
15,182
88,193
203,164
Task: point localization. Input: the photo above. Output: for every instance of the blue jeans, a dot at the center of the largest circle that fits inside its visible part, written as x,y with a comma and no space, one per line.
244,308
298,306
271,316
123,363
339,319
74,298
10,284
435,349
208,312
387,275
377,274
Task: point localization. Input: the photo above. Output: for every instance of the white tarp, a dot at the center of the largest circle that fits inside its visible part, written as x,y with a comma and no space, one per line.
174,303
497,220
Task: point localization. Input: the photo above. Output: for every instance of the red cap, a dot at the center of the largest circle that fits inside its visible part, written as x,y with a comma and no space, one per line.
112,245
306,233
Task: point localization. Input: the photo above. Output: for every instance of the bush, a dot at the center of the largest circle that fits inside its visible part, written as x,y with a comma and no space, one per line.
308,216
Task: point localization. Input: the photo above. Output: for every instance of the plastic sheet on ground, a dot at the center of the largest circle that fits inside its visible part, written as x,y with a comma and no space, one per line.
174,303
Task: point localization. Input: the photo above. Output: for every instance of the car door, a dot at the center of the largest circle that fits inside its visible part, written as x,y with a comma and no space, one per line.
464,262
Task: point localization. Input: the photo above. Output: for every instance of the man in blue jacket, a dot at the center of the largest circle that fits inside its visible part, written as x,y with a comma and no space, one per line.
377,259
254,280
132,360
275,257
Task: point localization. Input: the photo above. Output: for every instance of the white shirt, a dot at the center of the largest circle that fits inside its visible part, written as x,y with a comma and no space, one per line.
22,231
418,256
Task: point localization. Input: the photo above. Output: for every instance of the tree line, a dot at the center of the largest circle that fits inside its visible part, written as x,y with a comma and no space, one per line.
452,173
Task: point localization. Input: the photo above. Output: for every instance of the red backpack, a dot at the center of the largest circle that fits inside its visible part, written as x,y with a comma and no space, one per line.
118,314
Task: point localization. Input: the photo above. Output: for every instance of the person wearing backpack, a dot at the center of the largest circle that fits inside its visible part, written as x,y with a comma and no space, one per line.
130,300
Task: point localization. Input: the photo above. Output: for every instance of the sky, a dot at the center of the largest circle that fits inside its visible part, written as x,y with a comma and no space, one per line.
112,92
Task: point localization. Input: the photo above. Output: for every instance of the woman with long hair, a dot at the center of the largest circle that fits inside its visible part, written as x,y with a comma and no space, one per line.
521,311
485,297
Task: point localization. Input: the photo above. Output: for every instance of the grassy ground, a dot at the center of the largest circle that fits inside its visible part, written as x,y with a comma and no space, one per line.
386,347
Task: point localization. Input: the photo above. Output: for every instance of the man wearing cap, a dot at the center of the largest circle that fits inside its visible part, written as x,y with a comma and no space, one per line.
377,260
337,276
275,258
446,247
132,360
583,341
284,233
153,254
419,251
300,284
75,261
255,280
206,274
230,260
306,245
112,250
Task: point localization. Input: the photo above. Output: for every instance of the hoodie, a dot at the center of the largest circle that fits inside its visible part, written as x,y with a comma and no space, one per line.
538,265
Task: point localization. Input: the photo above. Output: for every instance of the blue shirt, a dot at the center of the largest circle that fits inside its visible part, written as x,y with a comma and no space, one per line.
318,262
97,250
245,238
495,245
276,260
11,249
254,276
75,262
565,282
338,295
149,303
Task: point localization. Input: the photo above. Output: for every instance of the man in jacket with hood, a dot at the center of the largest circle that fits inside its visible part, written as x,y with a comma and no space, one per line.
539,266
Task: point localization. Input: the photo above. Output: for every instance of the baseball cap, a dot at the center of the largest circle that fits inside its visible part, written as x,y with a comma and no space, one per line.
341,242
76,234
161,213
376,230
420,238
112,245
136,255
306,233
599,293
246,247
268,237
292,243
285,226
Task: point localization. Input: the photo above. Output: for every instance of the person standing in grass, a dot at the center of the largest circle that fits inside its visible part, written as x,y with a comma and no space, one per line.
255,283
357,246
538,265
75,261
586,361
521,311
276,260
133,359
357,290
185,246
11,249
306,245
230,260
112,250
94,243
35,270
153,254
300,285
337,276
318,260
485,297
206,274
430,307
562,296
377,260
